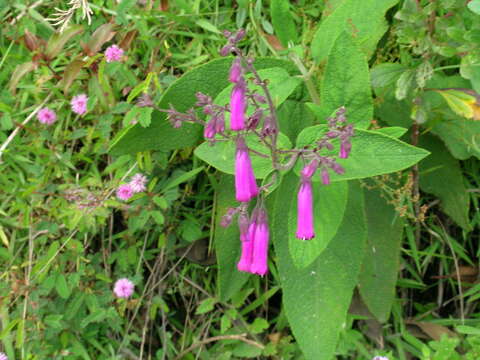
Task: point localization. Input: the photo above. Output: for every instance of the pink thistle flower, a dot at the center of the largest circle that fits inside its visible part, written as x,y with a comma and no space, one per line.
125,192
46,116
305,230
138,182
238,106
260,237
113,53
245,183
79,104
123,288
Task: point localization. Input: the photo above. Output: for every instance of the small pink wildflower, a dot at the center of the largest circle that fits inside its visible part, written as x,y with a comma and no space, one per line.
3,356
113,53
79,104
138,183
125,192
380,358
123,288
48,117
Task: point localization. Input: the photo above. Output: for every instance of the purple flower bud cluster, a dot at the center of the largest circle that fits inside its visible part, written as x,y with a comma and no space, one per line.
254,236
337,128
233,39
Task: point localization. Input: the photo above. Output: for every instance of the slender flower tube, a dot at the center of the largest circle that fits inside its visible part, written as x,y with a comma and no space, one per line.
235,74
261,237
305,229
325,176
209,130
345,148
238,106
245,184
310,169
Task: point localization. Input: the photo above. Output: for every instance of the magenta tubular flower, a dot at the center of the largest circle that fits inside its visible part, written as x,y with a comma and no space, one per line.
138,182
245,184
125,192
305,229
245,262
325,177
238,106
79,104
260,239
113,53
46,116
235,74
123,288
209,131
310,169
345,148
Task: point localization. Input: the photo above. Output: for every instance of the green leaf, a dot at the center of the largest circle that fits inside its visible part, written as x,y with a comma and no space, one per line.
282,20
474,6
205,306
160,135
316,298
381,260
372,153
227,242
347,82
460,135
70,73
62,287
365,19
329,207
441,175
182,178
221,155
394,131
20,71
58,40
386,74
460,102
293,116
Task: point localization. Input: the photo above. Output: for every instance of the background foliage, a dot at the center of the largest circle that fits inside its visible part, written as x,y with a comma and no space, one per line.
395,270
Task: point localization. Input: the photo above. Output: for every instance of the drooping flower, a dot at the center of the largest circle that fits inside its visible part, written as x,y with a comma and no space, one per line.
260,236
235,74
245,184
309,170
325,176
46,116
124,192
79,104
138,182
345,148
247,229
113,53
238,106
245,262
305,230
123,288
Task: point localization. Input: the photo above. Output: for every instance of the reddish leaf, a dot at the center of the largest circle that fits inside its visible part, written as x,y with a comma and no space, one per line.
31,41
127,39
71,73
100,36
19,72
58,40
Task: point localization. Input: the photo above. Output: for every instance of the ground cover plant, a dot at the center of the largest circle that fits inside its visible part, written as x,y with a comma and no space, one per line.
239,179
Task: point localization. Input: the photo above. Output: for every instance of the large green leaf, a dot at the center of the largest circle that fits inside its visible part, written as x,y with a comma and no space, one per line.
329,207
221,155
293,116
372,153
365,19
441,175
210,78
282,21
382,255
347,82
227,242
316,298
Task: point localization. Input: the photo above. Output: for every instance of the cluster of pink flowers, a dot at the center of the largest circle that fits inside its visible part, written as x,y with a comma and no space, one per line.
137,184
46,116
113,53
123,288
